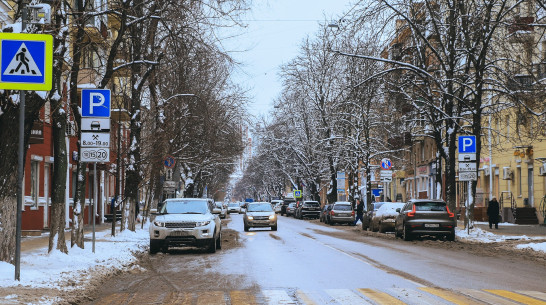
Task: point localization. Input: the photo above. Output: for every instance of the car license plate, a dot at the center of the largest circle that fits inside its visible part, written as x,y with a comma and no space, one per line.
179,233
432,225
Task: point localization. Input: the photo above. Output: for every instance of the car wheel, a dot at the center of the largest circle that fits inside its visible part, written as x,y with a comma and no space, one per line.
155,245
406,235
219,242
212,246
274,228
397,234
381,229
246,228
331,223
364,227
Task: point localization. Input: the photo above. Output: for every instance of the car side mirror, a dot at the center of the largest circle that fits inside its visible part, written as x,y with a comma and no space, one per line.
398,210
216,211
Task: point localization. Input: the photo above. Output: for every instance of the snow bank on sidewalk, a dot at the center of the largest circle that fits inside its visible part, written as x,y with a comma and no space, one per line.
62,271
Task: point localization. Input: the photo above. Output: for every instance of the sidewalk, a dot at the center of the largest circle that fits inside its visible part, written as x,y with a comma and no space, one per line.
511,229
32,243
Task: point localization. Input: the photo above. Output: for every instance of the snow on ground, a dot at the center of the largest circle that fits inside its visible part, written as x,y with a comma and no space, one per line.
55,270
65,272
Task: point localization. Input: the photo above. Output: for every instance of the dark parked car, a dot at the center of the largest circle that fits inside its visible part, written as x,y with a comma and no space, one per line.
341,212
367,217
290,209
425,217
285,203
307,209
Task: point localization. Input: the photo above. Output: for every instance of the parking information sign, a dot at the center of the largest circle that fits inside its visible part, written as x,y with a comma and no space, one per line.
467,158
95,125
26,61
96,103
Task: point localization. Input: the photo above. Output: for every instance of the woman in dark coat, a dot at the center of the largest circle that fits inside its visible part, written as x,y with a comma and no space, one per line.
493,213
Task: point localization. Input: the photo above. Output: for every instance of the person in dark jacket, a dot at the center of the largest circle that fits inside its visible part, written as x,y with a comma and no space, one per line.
359,211
493,213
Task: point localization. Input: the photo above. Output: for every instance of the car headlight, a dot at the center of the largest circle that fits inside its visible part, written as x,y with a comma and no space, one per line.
250,217
159,223
202,223
272,217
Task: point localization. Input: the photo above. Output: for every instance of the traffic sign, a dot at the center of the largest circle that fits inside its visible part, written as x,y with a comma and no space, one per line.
468,176
95,139
26,61
96,103
467,157
386,179
95,154
386,164
169,161
297,193
95,124
467,166
467,144
386,173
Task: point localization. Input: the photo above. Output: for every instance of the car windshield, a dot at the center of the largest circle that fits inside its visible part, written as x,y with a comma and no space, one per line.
342,207
233,205
185,207
259,207
377,205
430,206
311,204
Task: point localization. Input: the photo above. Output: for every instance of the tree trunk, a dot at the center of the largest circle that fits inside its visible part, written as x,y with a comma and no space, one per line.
77,233
56,236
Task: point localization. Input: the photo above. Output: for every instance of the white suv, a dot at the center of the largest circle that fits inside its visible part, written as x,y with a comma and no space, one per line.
186,222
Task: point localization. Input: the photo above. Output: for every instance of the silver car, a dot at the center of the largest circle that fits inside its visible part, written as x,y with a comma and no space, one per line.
186,222
233,207
260,214
223,210
341,212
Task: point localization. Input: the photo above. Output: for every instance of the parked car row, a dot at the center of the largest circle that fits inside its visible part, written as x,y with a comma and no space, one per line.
412,219
338,212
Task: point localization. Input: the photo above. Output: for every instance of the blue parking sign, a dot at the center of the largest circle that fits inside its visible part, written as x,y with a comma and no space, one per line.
96,103
467,144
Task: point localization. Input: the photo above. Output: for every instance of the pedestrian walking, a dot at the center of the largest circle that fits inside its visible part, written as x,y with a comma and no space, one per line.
493,213
359,211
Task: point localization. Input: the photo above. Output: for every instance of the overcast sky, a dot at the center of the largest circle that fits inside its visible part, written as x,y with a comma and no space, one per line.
273,36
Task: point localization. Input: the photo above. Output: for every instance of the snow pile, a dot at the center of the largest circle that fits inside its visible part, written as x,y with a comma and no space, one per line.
481,236
534,246
58,270
389,209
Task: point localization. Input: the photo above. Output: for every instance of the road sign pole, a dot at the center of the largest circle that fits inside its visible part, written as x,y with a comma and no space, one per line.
94,200
20,170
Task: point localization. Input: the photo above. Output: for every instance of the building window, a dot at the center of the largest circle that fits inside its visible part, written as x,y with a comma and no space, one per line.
507,126
518,173
34,182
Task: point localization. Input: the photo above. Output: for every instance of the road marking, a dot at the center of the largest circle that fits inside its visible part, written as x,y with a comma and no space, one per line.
211,297
178,298
305,298
450,296
346,297
277,297
516,297
413,296
239,297
489,298
534,294
380,297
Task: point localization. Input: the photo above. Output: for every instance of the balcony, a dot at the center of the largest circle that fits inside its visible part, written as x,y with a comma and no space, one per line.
521,30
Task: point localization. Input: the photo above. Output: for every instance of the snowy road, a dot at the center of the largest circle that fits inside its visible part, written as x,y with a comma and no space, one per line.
306,262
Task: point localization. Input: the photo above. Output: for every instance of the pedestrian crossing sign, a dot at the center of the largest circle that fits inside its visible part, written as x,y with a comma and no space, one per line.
26,61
